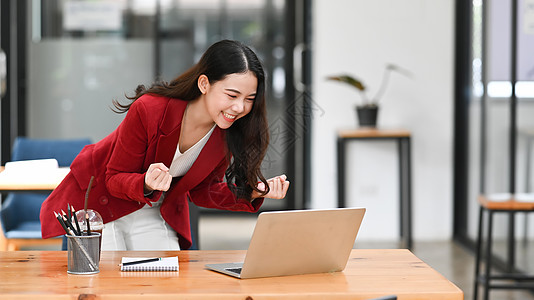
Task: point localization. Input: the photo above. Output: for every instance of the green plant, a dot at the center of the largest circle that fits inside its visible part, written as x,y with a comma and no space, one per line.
354,82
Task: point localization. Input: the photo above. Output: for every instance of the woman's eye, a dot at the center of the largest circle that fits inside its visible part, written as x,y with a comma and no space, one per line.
232,96
251,99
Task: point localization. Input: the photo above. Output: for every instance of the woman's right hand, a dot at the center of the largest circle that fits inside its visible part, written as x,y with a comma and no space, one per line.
157,177
278,187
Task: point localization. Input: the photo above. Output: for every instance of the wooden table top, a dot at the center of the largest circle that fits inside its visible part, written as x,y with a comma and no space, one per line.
507,201
369,274
373,133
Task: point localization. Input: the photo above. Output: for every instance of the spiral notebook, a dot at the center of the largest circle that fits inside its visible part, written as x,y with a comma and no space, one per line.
164,264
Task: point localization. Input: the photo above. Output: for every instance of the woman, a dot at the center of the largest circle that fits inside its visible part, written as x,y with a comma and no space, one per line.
199,138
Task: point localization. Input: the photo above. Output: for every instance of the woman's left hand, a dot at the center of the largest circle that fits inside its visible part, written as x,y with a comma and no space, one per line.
278,188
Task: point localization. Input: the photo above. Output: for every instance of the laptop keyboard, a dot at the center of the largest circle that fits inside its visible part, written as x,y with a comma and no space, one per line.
234,270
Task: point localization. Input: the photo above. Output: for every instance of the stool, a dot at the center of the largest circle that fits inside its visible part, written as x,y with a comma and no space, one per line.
491,205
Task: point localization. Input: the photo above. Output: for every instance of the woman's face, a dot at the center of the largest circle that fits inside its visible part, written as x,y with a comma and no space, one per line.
229,99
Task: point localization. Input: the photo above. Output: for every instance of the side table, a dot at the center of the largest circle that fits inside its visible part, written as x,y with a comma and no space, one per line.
403,139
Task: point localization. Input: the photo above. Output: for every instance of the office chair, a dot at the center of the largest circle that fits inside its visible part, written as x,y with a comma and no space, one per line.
19,214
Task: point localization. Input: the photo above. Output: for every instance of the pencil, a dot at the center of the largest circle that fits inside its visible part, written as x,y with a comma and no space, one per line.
68,222
60,220
87,222
143,261
76,219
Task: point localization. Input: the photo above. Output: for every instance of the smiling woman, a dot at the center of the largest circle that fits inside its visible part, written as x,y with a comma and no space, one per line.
199,138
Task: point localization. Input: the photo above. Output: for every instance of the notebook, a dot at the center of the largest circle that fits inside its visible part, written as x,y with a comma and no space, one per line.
164,264
297,242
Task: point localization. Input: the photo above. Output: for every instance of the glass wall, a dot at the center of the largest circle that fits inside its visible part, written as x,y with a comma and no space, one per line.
83,54
501,126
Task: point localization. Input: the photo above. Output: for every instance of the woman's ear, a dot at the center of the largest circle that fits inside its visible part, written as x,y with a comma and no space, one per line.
203,83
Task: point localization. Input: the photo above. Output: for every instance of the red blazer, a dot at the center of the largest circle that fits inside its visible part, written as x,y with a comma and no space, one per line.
148,134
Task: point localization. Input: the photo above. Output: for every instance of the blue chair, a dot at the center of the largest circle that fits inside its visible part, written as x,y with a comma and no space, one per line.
19,214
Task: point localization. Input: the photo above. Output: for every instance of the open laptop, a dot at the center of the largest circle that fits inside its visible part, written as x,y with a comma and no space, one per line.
298,242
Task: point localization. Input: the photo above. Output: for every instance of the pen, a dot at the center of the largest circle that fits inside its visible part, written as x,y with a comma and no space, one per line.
140,261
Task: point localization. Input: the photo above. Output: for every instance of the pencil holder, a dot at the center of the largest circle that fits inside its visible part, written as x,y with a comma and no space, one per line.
83,254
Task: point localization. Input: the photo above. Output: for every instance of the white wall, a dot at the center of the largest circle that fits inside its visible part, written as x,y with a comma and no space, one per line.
360,37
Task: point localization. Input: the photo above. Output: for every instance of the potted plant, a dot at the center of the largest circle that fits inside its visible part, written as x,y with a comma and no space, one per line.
367,112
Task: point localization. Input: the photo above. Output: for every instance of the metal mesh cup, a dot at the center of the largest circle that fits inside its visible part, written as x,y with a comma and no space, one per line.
83,254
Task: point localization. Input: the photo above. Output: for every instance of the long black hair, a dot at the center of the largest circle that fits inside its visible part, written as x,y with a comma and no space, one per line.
248,138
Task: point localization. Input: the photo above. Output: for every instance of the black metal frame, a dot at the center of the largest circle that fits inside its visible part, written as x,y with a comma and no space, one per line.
13,42
299,30
462,101
513,131
5,120
307,80
462,97
513,121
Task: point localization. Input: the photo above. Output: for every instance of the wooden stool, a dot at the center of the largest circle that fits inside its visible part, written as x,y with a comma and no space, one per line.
491,205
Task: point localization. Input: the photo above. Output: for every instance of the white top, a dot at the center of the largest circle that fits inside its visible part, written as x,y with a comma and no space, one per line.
182,162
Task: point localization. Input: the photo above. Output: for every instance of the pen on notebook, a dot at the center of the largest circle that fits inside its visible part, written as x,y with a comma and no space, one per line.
140,261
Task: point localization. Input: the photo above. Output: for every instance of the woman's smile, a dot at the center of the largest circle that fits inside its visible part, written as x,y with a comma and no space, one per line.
228,117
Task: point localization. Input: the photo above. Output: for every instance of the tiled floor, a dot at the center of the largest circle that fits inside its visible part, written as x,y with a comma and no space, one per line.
451,260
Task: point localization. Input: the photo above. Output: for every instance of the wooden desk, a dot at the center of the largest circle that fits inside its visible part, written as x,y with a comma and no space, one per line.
402,137
369,274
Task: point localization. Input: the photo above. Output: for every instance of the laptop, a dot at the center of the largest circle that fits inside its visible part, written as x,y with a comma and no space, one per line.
298,242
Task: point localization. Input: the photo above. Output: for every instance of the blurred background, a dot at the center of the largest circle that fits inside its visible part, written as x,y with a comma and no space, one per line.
467,105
